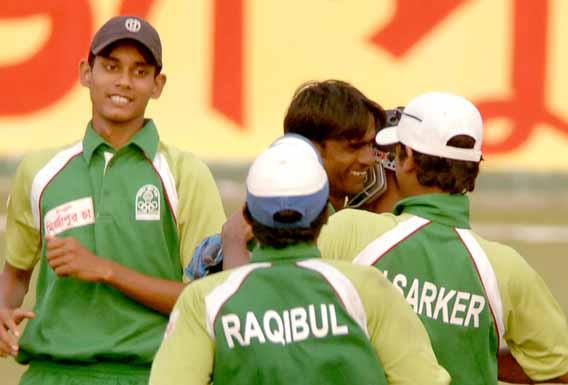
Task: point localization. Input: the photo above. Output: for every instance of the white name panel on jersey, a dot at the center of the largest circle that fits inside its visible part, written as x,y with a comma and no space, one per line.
293,325
437,302
69,215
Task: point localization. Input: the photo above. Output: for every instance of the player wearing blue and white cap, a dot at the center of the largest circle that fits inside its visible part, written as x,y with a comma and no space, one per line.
475,297
289,317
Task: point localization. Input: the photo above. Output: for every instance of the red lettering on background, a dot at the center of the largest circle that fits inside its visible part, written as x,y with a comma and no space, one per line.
412,21
228,92
526,107
49,74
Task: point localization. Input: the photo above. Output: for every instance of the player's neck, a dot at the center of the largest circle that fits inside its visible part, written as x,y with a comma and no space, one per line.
117,134
338,202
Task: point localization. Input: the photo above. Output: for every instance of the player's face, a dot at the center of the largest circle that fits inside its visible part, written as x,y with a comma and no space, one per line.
347,161
121,85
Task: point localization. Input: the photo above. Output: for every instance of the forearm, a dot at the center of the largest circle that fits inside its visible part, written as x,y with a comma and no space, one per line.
156,293
510,371
14,284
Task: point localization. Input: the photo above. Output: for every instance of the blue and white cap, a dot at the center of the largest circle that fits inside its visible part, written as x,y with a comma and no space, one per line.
287,176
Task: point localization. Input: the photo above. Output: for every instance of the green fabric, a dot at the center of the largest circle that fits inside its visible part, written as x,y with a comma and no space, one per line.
119,329
449,210
345,357
47,373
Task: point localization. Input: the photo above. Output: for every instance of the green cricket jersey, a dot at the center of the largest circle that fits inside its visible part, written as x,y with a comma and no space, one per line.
144,206
473,296
291,318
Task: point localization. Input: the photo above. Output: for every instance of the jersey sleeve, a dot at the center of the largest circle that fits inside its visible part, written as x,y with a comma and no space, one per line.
22,237
536,330
349,231
187,351
200,210
397,334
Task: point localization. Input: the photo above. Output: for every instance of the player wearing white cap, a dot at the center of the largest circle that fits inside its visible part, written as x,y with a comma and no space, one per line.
474,296
289,317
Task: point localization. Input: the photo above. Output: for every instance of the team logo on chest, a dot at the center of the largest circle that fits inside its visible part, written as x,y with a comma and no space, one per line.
148,203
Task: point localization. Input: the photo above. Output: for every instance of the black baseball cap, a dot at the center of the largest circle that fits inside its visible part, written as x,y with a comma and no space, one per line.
132,28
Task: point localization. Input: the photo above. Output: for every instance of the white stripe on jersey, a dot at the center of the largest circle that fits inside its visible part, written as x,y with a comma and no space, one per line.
220,295
46,174
488,278
382,245
162,167
343,287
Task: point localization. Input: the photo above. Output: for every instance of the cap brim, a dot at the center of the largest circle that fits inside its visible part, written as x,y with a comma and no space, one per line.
125,36
387,136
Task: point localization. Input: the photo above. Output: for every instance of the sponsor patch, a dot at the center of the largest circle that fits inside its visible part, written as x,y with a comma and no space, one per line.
148,203
69,215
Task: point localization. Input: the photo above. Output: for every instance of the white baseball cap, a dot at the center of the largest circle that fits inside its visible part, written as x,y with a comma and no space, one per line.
430,120
287,176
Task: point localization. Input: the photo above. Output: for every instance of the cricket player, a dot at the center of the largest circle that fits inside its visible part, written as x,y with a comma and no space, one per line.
342,123
475,297
111,221
288,317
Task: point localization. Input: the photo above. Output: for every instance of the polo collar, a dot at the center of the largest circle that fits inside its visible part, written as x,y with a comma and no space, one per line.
146,139
299,251
447,209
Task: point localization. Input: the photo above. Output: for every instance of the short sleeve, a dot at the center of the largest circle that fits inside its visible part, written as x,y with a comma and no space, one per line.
22,237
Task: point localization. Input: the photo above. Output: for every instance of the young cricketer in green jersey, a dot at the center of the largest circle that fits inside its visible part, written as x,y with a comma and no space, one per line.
289,317
111,221
475,297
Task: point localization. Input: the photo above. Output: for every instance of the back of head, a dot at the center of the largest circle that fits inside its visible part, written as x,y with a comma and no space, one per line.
287,193
331,109
445,132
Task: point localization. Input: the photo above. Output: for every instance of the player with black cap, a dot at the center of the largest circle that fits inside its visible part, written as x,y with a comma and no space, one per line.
289,317
111,221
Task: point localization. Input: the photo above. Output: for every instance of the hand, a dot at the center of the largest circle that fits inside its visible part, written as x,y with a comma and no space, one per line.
9,333
69,258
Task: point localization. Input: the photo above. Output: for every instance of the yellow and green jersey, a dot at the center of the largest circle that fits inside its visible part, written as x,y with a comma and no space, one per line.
474,296
290,317
145,206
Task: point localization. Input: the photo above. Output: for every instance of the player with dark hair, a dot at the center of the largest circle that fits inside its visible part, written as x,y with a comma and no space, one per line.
288,317
342,123
475,297
111,221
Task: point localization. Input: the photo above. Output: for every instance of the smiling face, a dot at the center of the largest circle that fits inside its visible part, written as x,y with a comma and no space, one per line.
121,84
346,161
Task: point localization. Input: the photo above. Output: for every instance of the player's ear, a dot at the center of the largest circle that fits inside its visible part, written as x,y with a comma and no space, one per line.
159,83
408,164
85,73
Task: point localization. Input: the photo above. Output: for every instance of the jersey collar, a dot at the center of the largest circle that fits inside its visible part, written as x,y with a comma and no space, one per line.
448,209
292,253
147,140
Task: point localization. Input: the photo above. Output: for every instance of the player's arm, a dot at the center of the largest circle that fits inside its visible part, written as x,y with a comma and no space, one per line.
14,284
399,337
22,252
187,351
536,329
200,213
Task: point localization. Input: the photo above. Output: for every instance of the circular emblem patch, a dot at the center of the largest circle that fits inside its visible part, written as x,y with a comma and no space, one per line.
132,24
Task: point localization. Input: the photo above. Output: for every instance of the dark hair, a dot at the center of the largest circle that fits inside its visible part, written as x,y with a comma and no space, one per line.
145,52
280,238
452,176
331,109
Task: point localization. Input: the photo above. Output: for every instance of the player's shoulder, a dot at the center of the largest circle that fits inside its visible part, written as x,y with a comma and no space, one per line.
364,278
34,162
355,218
507,262
182,162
